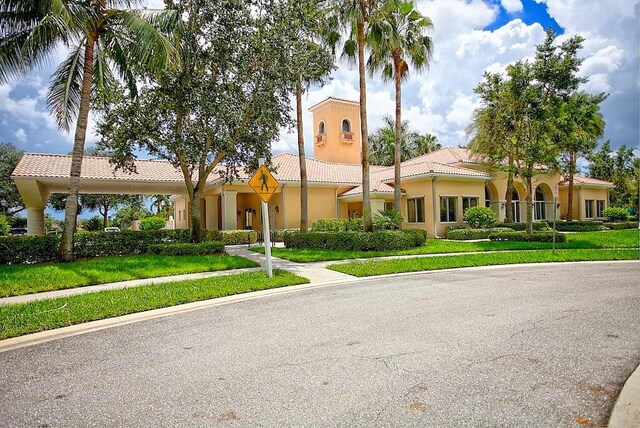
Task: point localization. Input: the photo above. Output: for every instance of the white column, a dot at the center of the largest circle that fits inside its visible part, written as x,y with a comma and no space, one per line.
229,210
35,221
502,210
211,204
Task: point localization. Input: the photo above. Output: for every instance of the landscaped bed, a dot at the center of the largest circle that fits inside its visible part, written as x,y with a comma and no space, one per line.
382,267
40,315
25,279
580,240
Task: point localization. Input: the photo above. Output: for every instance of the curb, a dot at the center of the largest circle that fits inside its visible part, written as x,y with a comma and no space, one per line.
626,411
59,333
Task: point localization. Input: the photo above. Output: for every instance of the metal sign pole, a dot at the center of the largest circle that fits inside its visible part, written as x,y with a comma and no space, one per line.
267,232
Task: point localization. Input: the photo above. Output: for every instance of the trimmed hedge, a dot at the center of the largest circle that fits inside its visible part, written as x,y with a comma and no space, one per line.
465,234
29,249
622,225
152,223
337,225
353,241
235,237
279,234
524,237
4,225
537,226
182,249
579,226
480,217
615,213
40,249
419,236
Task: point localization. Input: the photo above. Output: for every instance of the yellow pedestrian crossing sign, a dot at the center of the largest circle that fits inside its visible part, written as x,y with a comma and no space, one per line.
263,183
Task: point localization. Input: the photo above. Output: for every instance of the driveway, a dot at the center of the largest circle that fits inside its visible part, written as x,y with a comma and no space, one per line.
510,346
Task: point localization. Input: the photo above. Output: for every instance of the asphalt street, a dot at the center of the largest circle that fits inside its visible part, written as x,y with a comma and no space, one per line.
511,346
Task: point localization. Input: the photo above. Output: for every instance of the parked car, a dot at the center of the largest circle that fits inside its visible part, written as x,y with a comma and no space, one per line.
18,231
112,229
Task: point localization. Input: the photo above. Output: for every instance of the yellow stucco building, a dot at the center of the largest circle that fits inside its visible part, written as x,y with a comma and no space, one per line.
436,187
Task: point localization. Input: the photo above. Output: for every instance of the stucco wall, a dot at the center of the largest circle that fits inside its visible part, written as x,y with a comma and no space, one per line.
332,113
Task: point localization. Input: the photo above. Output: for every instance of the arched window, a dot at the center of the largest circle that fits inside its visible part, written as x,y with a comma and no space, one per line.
487,197
540,196
321,127
515,196
539,206
515,203
346,125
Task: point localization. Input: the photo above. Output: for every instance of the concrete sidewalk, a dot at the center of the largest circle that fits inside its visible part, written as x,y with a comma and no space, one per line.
626,412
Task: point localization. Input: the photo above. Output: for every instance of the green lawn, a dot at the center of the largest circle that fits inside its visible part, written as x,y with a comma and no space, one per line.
382,267
17,320
580,240
24,279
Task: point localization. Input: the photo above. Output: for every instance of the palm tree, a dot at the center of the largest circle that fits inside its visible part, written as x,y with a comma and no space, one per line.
162,204
353,17
382,142
426,143
103,41
398,37
311,33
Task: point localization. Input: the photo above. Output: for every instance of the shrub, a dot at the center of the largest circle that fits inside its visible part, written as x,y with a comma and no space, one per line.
615,214
15,221
387,220
279,234
236,237
537,226
100,244
622,225
152,223
419,236
352,241
29,249
337,225
93,224
465,234
4,225
187,249
480,217
579,226
524,237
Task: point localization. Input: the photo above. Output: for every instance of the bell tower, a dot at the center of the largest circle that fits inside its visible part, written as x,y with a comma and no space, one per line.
336,131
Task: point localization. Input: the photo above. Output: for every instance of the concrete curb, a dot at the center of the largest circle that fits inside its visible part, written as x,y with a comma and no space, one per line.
626,411
59,333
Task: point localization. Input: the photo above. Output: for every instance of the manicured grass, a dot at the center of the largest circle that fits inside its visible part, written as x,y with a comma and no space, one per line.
580,240
40,315
382,267
24,279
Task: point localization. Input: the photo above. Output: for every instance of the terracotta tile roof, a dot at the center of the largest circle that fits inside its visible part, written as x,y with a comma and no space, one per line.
413,169
577,179
58,166
334,99
374,187
447,156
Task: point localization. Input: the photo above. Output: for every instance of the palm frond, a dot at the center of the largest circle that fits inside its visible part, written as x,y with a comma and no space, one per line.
63,97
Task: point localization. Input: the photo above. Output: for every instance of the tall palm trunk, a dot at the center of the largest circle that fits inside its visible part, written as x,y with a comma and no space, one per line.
396,190
301,158
572,170
366,200
71,205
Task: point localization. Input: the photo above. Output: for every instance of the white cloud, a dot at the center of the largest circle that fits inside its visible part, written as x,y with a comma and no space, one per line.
21,135
511,6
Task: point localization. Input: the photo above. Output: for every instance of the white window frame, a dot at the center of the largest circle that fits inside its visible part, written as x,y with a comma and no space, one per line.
455,210
477,198
599,212
415,205
586,204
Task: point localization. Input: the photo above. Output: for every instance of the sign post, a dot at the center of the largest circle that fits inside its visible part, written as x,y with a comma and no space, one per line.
265,185
555,214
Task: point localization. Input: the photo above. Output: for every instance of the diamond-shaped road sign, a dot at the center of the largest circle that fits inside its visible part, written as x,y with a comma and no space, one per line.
263,183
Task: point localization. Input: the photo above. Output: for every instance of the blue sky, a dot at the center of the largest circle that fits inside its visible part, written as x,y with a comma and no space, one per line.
470,37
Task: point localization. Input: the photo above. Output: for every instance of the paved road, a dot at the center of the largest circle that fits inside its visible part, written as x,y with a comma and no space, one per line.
514,346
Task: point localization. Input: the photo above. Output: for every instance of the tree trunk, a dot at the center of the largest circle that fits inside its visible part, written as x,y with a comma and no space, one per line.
194,216
105,216
301,158
572,170
71,205
509,198
366,200
529,206
397,159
